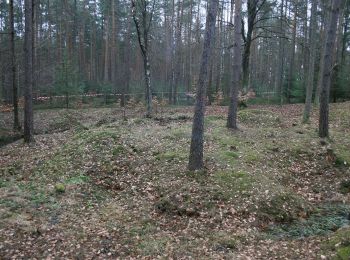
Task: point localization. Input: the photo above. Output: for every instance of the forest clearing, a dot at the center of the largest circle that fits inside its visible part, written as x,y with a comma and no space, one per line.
104,187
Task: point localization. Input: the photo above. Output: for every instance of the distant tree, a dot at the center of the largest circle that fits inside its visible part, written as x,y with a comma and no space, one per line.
28,72
312,57
327,68
142,13
66,80
237,61
254,7
196,150
16,124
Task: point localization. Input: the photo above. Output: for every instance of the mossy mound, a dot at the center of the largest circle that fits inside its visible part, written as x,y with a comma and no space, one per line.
284,208
323,220
339,244
345,187
176,205
258,118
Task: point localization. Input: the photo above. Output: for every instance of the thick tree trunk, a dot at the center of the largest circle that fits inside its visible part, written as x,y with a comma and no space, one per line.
236,73
16,124
312,57
327,69
28,73
197,140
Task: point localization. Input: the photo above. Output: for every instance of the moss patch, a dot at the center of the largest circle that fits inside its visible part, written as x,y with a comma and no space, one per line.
323,220
284,208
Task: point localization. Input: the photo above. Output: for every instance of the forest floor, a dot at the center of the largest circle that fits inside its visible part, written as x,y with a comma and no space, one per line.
95,185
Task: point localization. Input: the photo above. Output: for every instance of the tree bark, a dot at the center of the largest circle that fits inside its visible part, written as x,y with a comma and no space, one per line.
107,55
327,69
197,140
292,59
16,124
236,73
178,46
312,57
28,73
142,30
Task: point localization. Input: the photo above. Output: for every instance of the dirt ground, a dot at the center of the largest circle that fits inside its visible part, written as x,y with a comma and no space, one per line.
96,185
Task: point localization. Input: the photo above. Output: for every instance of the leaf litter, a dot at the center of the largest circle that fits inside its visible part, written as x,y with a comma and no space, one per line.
125,191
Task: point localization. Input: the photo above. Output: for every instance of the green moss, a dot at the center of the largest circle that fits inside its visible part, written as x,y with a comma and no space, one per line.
153,246
60,188
230,184
258,118
322,221
338,243
345,187
226,242
231,154
171,156
118,150
251,156
343,253
284,208
77,179
180,133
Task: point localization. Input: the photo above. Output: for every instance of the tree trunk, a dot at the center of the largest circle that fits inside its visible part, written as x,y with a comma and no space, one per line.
326,6
279,68
142,30
28,73
106,59
127,53
292,59
312,57
236,73
114,56
327,69
253,9
197,140
16,124
178,51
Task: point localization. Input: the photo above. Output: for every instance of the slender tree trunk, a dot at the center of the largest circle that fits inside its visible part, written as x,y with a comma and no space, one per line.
143,39
292,59
114,46
327,69
236,73
106,59
16,124
252,6
172,50
127,53
323,38
312,57
178,51
28,73
147,67
190,54
335,85
197,140
219,58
